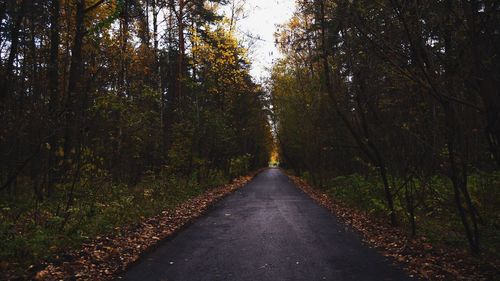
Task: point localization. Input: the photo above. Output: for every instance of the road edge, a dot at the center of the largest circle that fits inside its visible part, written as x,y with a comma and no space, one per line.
106,257
415,255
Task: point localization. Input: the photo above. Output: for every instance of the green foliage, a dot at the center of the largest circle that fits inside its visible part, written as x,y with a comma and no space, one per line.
434,211
180,152
106,22
239,165
99,207
358,191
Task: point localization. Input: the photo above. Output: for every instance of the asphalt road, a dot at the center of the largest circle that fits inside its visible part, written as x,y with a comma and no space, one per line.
267,230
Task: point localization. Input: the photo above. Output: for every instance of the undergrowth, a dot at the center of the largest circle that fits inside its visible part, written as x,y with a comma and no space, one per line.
435,213
34,229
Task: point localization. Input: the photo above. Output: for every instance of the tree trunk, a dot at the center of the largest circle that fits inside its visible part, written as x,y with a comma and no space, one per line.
53,89
458,176
74,94
14,43
124,34
180,58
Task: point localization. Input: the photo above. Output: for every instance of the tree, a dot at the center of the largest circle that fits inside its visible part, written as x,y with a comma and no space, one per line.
396,76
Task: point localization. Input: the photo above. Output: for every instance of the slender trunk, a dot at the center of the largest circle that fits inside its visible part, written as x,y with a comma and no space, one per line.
54,55
124,25
156,75
233,12
410,206
364,143
388,193
456,141
180,58
72,108
458,176
53,88
14,44
309,50
376,158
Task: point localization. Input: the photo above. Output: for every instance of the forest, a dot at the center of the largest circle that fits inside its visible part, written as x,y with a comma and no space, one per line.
114,110
393,107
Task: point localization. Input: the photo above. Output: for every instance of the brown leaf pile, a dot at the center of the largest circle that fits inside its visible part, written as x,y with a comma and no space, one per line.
106,256
418,256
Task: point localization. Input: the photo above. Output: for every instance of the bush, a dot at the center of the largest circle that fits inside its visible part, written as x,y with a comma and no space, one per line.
239,165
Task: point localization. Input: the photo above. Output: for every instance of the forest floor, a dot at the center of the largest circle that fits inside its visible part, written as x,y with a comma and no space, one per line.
417,255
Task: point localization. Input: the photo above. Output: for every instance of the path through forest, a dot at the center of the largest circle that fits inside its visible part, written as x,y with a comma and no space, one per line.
268,230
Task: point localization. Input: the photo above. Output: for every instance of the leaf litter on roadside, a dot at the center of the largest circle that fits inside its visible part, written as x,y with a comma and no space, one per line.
105,256
418,256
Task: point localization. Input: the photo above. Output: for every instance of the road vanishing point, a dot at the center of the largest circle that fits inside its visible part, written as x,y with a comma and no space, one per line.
267,230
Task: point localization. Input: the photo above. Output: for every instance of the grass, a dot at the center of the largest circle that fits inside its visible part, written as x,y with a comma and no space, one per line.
32,230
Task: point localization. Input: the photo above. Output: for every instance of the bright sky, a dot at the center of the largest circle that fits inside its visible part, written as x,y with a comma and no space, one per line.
261,19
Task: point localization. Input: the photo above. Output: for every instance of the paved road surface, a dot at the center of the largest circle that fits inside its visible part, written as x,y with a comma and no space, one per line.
267,230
